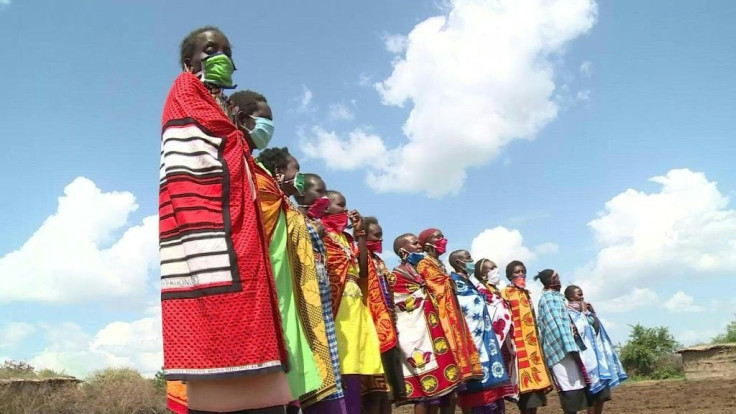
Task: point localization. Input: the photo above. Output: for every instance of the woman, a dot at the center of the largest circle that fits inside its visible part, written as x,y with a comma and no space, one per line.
440,284
486,279
430,372
285,168
221,325
311,206
485,395
599,356
380,302
534,381
561,350
304,376
357,341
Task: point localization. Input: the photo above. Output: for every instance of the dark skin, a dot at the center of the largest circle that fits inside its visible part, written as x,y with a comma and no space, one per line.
458,259
207,43
246,122
431,241
314,188
519,271
408,244
338,205
577,296
486,268
285,177
554,283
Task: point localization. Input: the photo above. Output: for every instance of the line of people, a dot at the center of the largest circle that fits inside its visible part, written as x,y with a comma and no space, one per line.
275,297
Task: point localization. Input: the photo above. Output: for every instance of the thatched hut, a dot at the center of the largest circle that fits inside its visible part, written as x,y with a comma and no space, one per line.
709,361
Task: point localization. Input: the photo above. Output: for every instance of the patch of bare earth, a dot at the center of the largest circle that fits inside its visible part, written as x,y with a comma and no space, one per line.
654,397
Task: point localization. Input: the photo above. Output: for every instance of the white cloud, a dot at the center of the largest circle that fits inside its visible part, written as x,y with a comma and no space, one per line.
685,231
681,302
477,78
360,149
395,43
13,333
71,350
502,245
305,100
695,337
341,112
76,255
586,68
547,248
637,298
583,95
4,3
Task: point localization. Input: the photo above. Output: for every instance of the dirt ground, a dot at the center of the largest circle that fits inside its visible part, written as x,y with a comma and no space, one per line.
655,397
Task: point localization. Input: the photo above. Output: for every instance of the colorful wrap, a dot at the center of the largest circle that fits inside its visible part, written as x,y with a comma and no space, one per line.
303,376
533,374
602,365
218,297
340,258
429,368
377,304
555,328
357,341
318,248
463,348
310,303
477,316
176,397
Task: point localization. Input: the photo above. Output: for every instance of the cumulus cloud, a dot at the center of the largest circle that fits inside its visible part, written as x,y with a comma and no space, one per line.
341,112
395,43
305,100
477,78
684,231
637,298
502,245
13,333
78,253
136,344
681,302
361,148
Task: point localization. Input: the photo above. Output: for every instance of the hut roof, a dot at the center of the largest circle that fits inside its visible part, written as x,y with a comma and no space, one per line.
702,348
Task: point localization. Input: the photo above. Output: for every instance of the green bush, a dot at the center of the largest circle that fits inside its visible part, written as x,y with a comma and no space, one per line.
650,353
728,336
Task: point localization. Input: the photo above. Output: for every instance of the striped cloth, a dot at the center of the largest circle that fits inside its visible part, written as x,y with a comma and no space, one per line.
324,291
555,328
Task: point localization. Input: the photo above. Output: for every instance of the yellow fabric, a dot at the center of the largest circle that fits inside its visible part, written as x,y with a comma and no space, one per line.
357,341
310,303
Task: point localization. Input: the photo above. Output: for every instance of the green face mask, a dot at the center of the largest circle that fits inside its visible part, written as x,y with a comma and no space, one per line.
299,183
218,70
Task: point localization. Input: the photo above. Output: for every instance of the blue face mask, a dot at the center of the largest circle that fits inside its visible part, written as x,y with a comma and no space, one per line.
470,268
415,258
261,134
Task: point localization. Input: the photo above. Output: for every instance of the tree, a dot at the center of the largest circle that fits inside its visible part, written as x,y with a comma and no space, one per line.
728,336
159,380
649,352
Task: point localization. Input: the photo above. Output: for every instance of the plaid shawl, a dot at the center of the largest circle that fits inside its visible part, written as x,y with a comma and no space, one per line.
555,328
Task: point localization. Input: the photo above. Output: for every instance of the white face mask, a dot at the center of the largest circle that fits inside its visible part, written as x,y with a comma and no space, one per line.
493,277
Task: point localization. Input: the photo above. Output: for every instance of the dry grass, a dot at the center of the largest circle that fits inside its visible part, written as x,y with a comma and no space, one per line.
110,391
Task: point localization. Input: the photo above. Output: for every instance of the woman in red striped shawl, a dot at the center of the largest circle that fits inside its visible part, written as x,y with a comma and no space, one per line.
221,325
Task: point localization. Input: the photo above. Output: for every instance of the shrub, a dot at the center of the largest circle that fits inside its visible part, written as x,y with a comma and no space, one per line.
728,336
650,353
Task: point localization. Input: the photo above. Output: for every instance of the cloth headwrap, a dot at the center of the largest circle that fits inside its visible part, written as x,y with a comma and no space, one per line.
425,235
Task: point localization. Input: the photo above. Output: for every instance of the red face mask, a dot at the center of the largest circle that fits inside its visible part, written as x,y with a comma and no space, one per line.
441,246
374,246
520,282
317,209
335,223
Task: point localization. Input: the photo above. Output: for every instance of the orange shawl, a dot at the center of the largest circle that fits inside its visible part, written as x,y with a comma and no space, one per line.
340,257
533,375
453,323
271,198
382,316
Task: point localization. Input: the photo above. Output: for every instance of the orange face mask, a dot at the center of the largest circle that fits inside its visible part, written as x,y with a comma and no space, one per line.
520,282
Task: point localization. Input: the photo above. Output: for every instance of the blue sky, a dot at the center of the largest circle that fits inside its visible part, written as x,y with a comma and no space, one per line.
522,129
